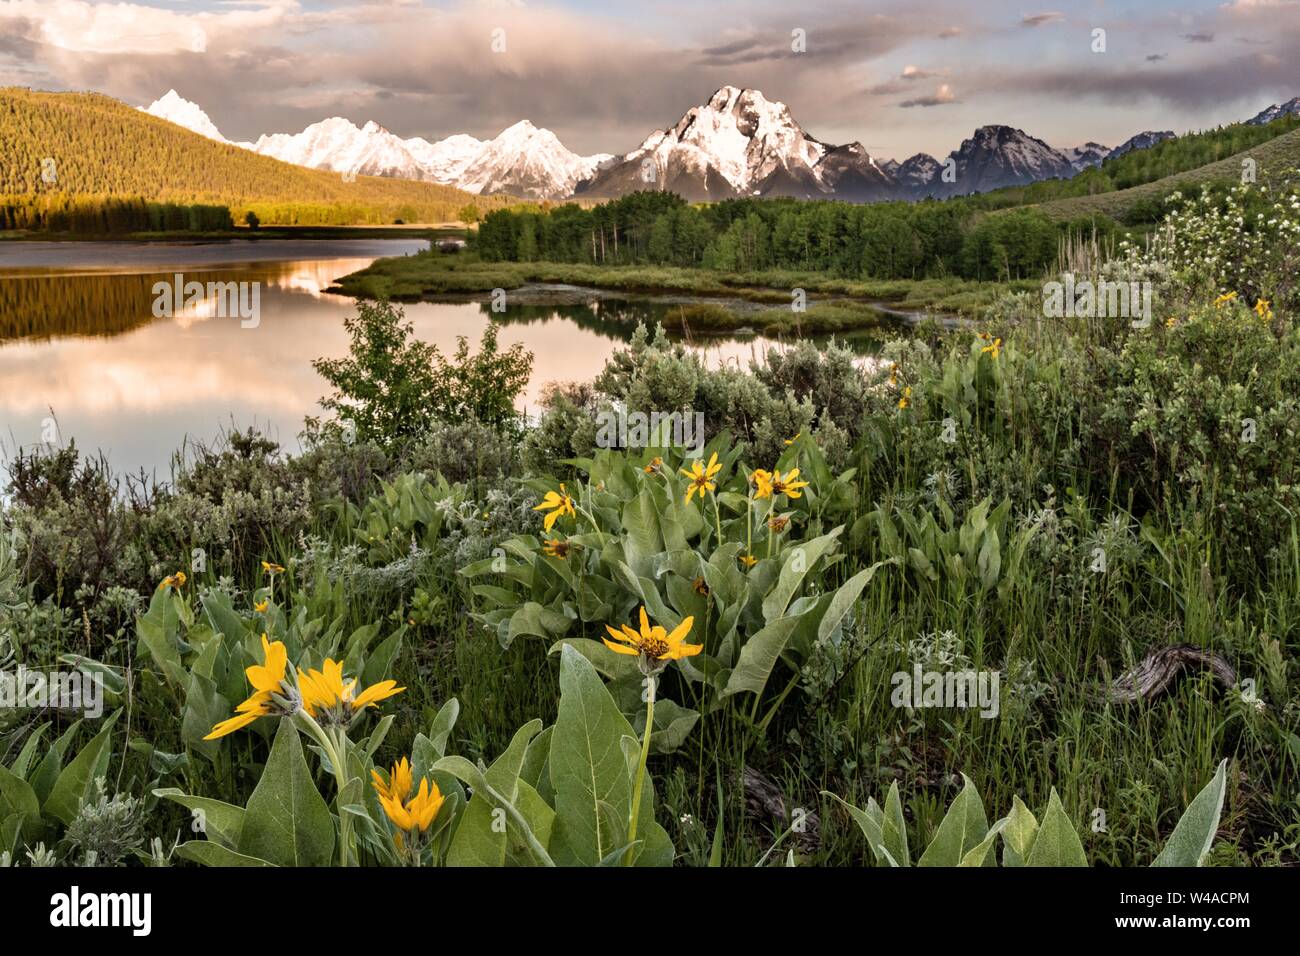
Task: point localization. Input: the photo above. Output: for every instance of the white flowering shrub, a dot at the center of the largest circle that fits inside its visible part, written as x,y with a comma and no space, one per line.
1246,241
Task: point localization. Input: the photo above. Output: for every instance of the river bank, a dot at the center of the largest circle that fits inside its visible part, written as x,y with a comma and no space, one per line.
810,303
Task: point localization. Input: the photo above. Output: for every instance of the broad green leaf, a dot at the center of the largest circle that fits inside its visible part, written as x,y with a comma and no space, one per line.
443,724
610,664
47,771
760,654
1057,843
845,597
990,559
893,827
797,562
18,797
963,828
204,708
379,663
113,680
287,821
868,822
534,765
24,761
980,855
1019,835
588,770
480,838
534,620
214,854
77,779
1193,835
218,821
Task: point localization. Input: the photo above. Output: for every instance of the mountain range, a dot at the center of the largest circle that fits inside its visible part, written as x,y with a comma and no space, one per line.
737,143
522,161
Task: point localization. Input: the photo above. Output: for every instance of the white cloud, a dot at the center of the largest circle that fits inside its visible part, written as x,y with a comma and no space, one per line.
75,26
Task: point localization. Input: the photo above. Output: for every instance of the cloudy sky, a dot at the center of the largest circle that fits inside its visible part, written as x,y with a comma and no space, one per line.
899,76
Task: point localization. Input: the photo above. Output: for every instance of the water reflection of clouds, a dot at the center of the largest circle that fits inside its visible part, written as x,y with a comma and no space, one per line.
140,393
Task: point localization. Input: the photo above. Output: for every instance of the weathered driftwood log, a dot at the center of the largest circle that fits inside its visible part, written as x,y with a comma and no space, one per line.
765,802
1162,667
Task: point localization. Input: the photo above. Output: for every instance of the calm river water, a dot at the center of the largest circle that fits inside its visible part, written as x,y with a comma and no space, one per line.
84,358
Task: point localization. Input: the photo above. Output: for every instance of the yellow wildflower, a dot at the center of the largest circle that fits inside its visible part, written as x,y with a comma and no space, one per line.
557,503
748,560
407,813
994,348
655,466
553,547
906,398
325,694
1224,299
267,679
261,606
1263,309
271,568
398,785
788,485
654,644
702,477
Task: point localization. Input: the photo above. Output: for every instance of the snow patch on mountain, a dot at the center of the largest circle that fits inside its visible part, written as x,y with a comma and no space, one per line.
737,143
997,156
1290,108
1143,140
339,145
174,108
527,161
445,160
917,170
1086,156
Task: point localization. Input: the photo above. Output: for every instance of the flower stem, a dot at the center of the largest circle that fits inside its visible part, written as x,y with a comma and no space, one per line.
749,526
332,748
770,510
640,770
717,516
587,514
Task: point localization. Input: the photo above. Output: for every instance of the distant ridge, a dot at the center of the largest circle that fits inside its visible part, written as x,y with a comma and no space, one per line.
99,146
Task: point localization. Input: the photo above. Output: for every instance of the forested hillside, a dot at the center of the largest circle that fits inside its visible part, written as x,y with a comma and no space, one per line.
879,241
68,151
1171,159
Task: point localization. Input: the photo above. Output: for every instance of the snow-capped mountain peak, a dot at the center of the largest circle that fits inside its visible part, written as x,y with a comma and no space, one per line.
524,159
528,161
1086,156
737,142
997,156
917,170
174,108
1143,140
445,160
1290,108
339,145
